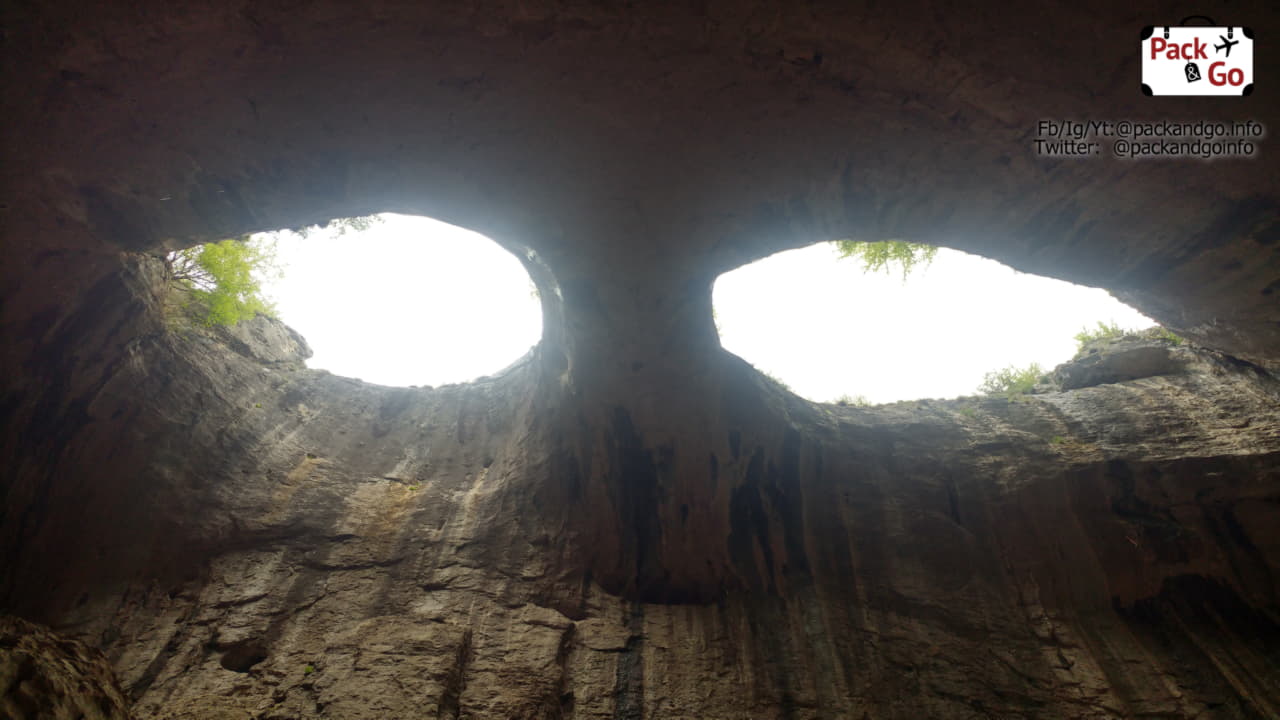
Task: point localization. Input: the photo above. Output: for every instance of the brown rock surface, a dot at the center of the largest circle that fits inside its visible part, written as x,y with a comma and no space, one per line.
630,522
44,675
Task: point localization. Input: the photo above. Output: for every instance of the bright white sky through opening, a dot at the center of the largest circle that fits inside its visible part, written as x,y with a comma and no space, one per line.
414,301
827,329
411,301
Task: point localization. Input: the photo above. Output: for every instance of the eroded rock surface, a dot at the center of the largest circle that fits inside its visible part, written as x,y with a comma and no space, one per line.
630,523
319,547
49,677
1120,359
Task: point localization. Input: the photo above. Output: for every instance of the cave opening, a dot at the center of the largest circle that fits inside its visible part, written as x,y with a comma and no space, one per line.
404,300
834,331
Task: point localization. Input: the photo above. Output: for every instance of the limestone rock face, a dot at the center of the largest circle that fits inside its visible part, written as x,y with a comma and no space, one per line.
267,340
319,547
44,675
1122,359
630,522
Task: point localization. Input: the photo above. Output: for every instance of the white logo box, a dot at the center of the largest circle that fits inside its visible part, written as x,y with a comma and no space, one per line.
1196,60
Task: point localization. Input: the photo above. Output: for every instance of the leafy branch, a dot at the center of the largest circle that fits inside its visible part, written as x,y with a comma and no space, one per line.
219,283
887,254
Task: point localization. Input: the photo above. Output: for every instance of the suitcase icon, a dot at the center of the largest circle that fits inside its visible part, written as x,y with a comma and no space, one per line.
1196,59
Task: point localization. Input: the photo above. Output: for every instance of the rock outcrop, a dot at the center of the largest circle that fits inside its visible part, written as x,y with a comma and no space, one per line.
43,675
1119,359
630,522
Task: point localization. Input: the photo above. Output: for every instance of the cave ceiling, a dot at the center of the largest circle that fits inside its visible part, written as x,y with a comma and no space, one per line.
656,146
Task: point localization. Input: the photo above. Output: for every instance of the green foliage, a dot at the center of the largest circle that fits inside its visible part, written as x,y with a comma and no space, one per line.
223,280
308,669
887,254
968,411
1011,381
1057,440
220,282
1166,334
1112,330
1103,331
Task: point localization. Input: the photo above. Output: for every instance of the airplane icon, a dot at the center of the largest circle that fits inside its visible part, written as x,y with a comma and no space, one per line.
1226,44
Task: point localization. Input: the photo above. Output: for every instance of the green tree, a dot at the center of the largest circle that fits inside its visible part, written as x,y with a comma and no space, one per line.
220,283
1011,381
887,254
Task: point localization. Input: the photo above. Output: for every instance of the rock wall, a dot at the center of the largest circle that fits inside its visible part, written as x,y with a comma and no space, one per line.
629,523
47,676
302,545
